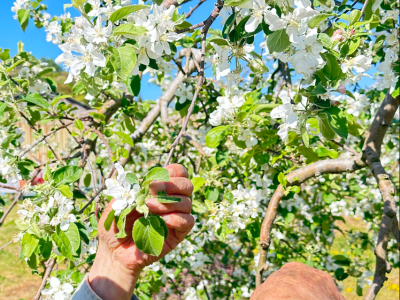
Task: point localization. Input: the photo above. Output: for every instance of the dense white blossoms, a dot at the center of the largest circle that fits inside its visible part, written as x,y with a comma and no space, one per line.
58,291
9,170
220,61
287,114
185,93
121,190
227,108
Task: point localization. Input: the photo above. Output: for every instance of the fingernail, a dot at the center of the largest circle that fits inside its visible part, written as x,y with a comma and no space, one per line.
167,218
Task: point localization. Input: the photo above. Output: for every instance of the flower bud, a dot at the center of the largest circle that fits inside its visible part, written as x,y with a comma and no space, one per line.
342,89
352,31
337,36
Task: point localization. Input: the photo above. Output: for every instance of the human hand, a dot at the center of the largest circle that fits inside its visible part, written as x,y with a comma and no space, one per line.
297,281
119,262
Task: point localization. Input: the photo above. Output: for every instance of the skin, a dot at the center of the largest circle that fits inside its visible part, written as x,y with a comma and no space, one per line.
297,281
118,262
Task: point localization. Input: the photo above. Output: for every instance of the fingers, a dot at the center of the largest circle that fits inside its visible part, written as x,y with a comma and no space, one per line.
179,225
176,170
177,186
155,207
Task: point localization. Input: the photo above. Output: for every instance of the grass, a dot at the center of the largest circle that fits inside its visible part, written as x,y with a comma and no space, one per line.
18,282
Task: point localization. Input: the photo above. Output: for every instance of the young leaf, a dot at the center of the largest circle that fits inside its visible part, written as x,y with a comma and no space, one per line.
214,136
121,223
324,126
66,191
354,16
160,174
197,182
29,243
278,41
23,18
109,220
129,28
314,21
125,137
124,11
67,174
68,242
47,176
87,180
134,85
131,178
123,60
36,99
162,197
149,235
78,124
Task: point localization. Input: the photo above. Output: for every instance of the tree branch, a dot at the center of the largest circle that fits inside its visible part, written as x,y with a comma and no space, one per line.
194,8
49,267
207,23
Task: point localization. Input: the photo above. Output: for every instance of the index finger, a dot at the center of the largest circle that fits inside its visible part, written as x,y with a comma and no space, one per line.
176,170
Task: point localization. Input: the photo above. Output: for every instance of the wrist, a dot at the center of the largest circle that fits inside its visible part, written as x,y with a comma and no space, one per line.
110,280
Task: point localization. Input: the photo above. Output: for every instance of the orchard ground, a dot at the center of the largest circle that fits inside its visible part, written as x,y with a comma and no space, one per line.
17,282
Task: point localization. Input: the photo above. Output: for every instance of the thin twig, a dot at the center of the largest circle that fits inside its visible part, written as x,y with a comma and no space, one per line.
207,23
9,187
2,247
345,147
363,9
97,193
49,267
103,138
194,8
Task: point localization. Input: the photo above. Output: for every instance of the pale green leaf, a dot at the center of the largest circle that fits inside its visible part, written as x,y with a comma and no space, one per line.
215,136
278,41
29,243
123,60
149,235
125,137
124,11
197,182
36,99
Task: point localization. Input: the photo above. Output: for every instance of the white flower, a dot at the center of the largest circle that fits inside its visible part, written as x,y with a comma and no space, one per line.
309,48
360,64
286,113
162,16
18,5
58,291
184,93
122,191
89,59
68,59
65,217
91,248
145,52
220,61
8,170
54,32
257,15
24,72
97,34
96,8
248,137
40,87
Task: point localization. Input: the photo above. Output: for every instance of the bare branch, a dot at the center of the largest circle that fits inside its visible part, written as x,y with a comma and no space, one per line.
297,177
345,147
9,187
103,138
207,23
49,267
194,8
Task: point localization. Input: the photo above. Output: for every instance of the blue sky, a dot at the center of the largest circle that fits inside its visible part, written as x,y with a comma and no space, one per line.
35,39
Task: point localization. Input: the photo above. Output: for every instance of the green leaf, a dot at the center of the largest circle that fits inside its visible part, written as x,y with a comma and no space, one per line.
109,220
121,223
325,40
87,180
308,153
23,18
332,69
47,173
324,126
183,25
149,235
354,128
354,16
14,65
29,244
220,42
124,11
314,21
338,121
278,41
129,29
36,99
131,178
353,45
235,2
78,124
126,138
68,242
215,136
197,182
66,191
162,197
123,60
2,108
134,84
59,97
303,129
160,174
67,174
258,108
328,198
282,179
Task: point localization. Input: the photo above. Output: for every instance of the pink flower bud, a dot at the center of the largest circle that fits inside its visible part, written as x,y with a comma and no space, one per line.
337,35
352,31
335,103
342,89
